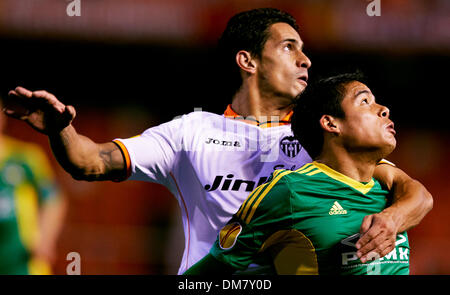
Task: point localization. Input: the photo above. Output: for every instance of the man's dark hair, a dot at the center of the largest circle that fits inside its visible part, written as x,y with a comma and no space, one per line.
248,30
323,97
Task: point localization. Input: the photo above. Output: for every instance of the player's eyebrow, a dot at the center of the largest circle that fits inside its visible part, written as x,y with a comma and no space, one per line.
361,92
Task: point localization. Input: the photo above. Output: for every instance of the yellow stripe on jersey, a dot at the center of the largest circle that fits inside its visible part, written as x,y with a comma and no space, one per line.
361,187
311,167
275,173
263,194
314,172
245,206
250,199
253,194
304,167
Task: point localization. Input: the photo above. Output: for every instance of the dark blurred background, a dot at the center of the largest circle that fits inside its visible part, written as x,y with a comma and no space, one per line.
129,65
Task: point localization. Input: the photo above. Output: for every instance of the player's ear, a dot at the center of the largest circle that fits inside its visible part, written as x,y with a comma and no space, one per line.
329,124
246,62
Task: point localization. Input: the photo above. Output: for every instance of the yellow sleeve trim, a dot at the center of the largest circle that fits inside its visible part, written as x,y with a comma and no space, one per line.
256,198
126,156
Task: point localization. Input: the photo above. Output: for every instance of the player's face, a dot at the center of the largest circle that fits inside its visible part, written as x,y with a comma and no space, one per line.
283,67
366,125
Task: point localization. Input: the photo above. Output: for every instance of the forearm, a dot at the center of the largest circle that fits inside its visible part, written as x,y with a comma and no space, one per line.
411,202
78,155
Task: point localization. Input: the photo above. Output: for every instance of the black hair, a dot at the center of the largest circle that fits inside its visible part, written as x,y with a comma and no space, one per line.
248,30
323,97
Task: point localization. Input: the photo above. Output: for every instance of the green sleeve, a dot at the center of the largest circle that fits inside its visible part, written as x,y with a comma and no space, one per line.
264,212
209,265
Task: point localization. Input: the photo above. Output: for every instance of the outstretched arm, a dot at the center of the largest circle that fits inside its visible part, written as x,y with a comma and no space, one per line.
78,155
85,159
411,202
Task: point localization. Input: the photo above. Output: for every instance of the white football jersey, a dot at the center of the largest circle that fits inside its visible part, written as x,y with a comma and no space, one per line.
210,163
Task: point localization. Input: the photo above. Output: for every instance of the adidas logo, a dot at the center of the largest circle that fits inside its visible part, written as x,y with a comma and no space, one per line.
337,209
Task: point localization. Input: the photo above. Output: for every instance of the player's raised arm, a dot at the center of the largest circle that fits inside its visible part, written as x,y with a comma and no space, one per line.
77,154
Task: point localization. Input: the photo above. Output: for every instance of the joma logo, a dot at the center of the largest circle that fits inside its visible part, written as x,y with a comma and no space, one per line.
223,142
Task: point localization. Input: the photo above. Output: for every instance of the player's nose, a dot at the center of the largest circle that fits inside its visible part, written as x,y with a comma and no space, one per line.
384,111
303,61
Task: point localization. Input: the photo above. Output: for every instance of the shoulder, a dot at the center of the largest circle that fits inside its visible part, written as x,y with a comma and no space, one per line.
200,116
284,179
387,173
188,121
268,200
293,177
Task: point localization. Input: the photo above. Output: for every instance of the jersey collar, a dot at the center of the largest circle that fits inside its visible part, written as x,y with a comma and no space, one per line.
359,186
230,113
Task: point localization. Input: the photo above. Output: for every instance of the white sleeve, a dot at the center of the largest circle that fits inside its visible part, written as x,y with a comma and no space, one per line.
152,155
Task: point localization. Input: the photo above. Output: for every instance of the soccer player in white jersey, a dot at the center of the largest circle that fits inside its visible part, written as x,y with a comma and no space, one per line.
211,162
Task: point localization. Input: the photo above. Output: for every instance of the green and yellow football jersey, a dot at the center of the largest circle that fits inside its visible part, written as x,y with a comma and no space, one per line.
26,182
307,222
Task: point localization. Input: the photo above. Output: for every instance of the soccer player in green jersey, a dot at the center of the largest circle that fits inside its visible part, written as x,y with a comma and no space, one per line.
32,209
307,221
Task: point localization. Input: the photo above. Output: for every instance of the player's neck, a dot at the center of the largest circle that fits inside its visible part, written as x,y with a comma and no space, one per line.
359,166
252,103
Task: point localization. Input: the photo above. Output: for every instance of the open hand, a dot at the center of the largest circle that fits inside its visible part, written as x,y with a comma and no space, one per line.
40,109
378,236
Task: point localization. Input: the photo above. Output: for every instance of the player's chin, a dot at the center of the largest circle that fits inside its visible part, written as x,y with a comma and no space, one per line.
389,145
297,93
391,139
300,88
